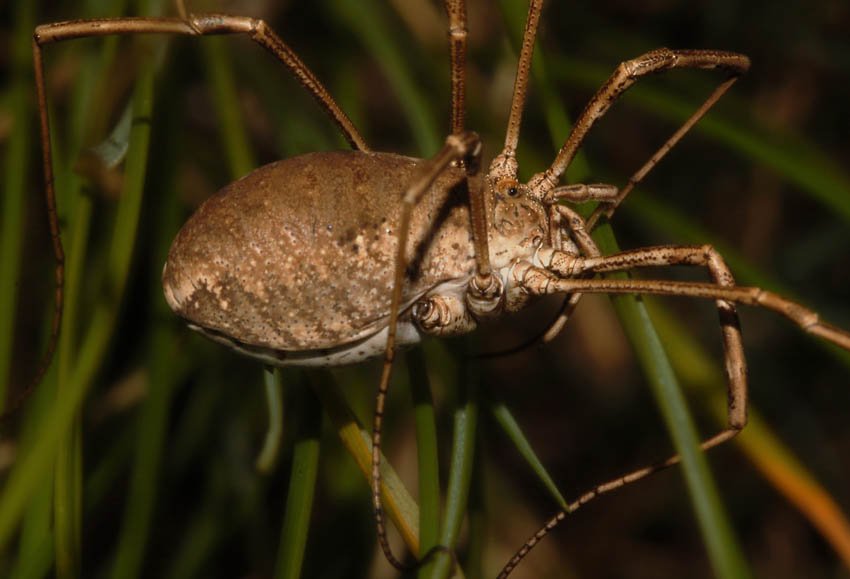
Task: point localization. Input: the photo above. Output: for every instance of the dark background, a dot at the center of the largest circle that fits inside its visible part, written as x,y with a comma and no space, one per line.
582,399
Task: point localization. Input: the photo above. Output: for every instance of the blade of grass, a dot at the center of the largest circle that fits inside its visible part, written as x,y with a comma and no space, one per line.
151,424
34,466
506,420
400,506
35,546
726,557
273,388
369,21
67,504
16,169
477,514
761,445
723,550
678,226
233,134
461,466
302,485
426,444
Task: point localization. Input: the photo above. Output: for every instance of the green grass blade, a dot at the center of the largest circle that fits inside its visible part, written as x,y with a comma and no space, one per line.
477,515
238,150
16,169
724,552
426,444
369,22
673,223
399,505
723,549
512,429
269,453
152,422
763,447
34,466
461,465
302,485
35,545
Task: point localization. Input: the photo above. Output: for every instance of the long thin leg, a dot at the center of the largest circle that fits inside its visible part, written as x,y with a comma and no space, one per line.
204,24
456,11
702,256
544,184
544,282
626,75
504,165
56,240
607,210
808,320
457,148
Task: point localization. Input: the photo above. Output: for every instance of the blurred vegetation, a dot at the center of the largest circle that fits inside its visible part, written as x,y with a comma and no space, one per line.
135,456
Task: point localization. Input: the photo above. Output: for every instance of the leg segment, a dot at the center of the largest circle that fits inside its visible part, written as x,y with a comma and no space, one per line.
505,165
201,25
456,10
626,75
541,281
457,148
580,193
702,256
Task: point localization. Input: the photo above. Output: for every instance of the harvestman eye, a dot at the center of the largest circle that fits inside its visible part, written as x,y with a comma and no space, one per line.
380,272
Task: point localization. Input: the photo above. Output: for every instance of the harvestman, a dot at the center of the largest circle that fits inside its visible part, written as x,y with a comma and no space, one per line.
455,249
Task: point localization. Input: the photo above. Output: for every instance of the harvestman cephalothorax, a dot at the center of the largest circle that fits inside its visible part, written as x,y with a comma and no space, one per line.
434,247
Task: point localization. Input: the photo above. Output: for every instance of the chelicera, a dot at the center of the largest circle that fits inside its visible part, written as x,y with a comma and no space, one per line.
333,258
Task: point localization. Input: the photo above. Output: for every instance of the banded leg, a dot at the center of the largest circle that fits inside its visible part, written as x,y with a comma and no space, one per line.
202,25
456,11
457,148
626,75
504,165
702,256
544,282
581,193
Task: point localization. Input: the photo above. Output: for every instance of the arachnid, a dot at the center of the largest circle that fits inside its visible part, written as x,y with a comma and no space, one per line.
536,247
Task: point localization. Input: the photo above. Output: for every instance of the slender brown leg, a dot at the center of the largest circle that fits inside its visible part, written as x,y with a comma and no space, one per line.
204,24
626,75
544,184
456,11
505,165
724,291
808,320
56,240
703,256
580,193
457,148
608,209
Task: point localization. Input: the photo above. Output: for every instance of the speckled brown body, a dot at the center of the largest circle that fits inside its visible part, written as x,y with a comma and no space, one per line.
299,254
